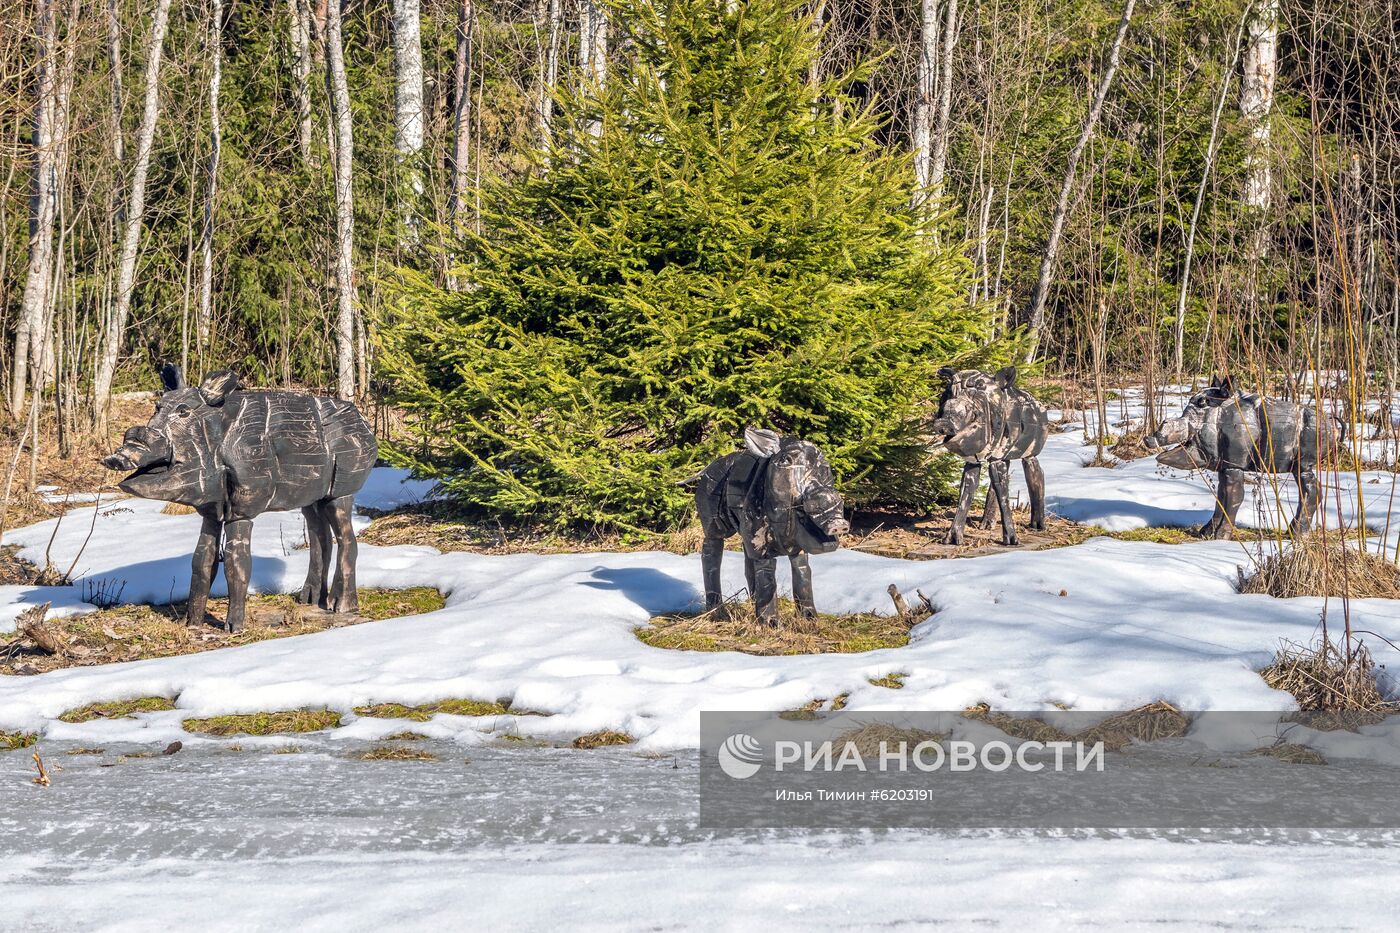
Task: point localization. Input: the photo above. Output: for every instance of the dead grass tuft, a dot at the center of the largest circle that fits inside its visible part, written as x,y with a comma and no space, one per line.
1129,445
117,709
132,633
1333,690
406,737
1159,720
452,707
177,508
893,681
396,753
86,751
1292,753
10,741
734,627
281,722
867,738
1321,563
603,739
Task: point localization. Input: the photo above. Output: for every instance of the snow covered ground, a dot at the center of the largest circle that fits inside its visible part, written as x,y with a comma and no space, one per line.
1104,625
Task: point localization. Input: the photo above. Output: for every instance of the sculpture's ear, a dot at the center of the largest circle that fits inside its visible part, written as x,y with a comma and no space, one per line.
217,385
1214,381
1227,385
171,377
1006,377
947,373
136,435
761,441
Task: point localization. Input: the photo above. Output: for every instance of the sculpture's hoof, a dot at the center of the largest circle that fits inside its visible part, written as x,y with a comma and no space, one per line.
308,595
953,538
345,606
1013,541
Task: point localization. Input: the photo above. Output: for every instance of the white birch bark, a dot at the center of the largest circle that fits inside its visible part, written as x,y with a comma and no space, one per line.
593,51
939,158
922,141
300,21
1035,310
408,106
115,328
205,316
1257,101
43,200
344,152
114,61
549,67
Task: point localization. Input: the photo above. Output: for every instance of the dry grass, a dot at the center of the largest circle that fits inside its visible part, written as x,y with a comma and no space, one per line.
177,508
867,738
86,751
1130,445
281,722
603,739
396,753
132,633
426,711
406,737
448,527
893,681
734,627
1321,563
1292,753
816,709
10,741
1159,720
1333,691
117,709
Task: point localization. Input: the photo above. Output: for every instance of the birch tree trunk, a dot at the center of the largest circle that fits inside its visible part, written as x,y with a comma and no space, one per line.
549,68
300,20
204,321
1035,310
43,199
1256,104
344,152
462,112
114,61
115,328
922,141
945,101
593,51
408,108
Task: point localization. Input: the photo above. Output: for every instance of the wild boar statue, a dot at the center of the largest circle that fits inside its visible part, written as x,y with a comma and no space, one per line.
986,418
779,496
233,454
1233,433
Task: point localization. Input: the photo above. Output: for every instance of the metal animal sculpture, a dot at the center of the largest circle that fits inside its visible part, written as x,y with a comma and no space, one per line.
985,418
233,454
780,497
1233,433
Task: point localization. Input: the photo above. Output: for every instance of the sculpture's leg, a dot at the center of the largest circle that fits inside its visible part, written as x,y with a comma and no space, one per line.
749,580
318,536
1035,488
765,594
343,595
238,566
972,474
1308,496
711,556
991,511
1000,472
802,585
202,569
1229,494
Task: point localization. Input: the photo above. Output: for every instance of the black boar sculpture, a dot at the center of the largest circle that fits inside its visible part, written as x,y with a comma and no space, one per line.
985,418
231,455
779,496
1232,433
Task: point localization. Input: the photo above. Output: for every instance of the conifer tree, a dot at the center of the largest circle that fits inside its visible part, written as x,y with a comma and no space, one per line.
732,248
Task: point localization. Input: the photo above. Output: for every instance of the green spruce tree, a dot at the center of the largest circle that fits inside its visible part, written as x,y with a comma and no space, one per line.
732,248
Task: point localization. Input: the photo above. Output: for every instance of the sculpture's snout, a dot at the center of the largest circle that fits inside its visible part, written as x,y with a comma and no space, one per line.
118,461
941,426
1151,442
839,527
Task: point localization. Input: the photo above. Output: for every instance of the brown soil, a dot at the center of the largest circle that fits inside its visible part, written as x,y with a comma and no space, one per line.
131,633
